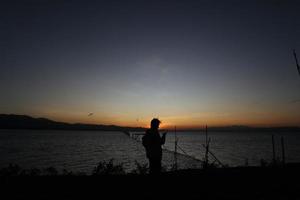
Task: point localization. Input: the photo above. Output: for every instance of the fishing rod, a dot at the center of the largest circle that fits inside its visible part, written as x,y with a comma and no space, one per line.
297,64
136,137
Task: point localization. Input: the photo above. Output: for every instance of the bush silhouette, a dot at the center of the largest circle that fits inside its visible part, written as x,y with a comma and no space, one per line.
140,168
108,168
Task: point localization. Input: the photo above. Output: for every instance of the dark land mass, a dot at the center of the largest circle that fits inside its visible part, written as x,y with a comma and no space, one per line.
12,121
26,122
220,183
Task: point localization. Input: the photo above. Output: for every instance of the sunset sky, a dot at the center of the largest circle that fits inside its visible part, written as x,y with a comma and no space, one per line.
189,63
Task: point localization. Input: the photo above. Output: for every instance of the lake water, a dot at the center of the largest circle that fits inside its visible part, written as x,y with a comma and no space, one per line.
82,150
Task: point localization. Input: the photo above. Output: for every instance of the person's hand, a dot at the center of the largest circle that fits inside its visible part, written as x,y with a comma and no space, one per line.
165,133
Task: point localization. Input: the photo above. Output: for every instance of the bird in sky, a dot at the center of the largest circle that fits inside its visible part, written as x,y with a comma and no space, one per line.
90,114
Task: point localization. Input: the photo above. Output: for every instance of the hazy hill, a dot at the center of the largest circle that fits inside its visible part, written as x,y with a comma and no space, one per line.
26,122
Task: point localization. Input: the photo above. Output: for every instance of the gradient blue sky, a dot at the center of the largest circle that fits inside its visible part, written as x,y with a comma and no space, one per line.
189,63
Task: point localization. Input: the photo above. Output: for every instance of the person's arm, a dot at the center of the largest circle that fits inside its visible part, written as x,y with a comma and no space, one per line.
163,138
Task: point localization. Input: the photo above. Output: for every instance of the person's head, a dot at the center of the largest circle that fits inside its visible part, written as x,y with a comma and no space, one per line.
155,123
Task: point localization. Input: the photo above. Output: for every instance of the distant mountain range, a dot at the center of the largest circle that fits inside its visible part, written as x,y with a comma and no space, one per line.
12,121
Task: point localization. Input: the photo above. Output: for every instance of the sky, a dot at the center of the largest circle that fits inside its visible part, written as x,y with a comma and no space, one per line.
190,63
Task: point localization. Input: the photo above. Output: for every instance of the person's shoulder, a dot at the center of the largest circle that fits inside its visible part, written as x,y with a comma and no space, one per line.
151,132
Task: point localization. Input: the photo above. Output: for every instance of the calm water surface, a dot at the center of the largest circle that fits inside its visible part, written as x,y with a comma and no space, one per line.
236,148
82,150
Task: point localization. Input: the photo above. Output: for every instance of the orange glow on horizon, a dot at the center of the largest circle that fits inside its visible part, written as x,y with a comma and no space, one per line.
182,121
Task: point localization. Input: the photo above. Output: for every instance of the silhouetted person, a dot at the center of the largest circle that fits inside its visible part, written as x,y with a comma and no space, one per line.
152,143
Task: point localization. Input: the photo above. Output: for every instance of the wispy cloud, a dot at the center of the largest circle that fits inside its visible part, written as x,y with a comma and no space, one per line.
295,101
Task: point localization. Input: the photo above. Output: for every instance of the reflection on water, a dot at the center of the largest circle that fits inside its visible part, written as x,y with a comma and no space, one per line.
82,150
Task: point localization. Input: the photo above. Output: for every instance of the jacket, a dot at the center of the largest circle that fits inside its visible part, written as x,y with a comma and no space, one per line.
152,143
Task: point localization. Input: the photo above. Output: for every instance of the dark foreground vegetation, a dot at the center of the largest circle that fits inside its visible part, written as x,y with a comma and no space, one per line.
110,181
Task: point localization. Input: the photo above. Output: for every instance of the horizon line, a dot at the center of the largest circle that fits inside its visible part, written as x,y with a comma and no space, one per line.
171,127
